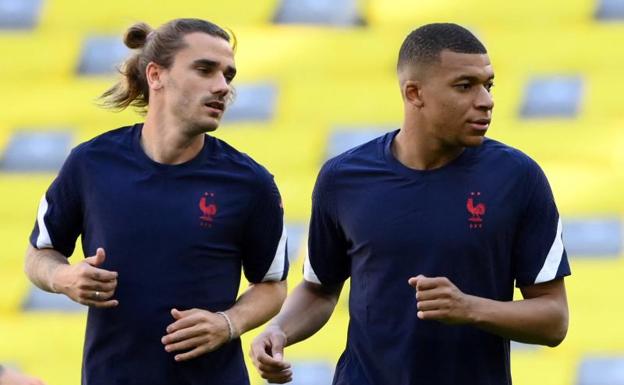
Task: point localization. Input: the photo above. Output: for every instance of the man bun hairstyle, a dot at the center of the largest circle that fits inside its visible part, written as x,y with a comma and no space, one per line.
136,35
424,44
153,45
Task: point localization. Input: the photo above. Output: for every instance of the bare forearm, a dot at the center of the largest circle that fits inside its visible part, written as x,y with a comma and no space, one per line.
305,311
259,303
540,320
40,266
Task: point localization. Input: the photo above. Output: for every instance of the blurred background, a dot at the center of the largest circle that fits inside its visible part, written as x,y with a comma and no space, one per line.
316,77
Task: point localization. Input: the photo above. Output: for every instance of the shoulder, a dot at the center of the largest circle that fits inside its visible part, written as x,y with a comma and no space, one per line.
495,152
111,142
358,156
241,163
116,140
513,165
339,171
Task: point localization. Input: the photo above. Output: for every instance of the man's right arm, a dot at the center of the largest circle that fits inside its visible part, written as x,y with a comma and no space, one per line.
305,311
82,282
311,303
41,265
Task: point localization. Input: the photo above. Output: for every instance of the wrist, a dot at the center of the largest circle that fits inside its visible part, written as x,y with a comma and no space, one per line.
473,313
233,333
274,328
53,282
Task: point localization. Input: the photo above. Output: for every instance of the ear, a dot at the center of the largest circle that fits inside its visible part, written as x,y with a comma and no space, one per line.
412,93
154,76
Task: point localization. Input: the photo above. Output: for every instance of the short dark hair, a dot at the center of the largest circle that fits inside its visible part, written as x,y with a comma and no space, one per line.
158,46
424,44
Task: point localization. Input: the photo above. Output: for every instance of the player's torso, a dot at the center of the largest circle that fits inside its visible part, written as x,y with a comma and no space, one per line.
198,209
182,226
174,235
458,222
431,225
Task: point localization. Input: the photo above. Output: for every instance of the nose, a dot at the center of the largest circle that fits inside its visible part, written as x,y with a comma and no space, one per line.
220,85
484,100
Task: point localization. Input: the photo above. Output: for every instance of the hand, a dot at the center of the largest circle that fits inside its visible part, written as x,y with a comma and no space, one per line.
267,354
440,300
85,283
198,331
13,377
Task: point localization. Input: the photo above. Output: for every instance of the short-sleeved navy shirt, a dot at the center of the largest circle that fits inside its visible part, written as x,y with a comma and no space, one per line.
177,235
487,220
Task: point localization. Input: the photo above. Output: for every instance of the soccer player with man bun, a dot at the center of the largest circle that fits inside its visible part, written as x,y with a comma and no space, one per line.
168,216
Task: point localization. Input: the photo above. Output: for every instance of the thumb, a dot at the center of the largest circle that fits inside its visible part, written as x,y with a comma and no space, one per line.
177,314
277,347
414,280
98,258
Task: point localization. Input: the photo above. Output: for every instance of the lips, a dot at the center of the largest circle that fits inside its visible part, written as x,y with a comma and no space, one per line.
480,124
215,104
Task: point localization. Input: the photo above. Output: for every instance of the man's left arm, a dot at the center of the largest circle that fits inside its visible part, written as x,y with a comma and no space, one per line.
265,263
196,331
540,318
538,265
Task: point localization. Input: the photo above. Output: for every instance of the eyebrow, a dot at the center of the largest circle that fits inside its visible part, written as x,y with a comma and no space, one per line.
229,70
471,78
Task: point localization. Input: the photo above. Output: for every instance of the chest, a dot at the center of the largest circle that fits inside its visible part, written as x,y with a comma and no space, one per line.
196,209
435,224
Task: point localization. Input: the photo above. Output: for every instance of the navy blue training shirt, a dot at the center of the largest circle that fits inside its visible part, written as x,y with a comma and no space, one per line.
486,221
177,235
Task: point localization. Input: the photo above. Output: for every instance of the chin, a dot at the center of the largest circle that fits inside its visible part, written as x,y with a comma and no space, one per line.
203,127
474,141
210,125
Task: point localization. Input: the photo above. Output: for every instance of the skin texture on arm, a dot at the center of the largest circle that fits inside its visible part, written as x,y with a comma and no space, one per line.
195,332
84,282
40,266
540,318
10,376
304,313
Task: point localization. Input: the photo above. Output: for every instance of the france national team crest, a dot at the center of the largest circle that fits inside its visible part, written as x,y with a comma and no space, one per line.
476,210
208,209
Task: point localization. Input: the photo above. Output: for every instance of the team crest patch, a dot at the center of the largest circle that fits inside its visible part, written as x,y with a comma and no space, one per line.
208,208
476,210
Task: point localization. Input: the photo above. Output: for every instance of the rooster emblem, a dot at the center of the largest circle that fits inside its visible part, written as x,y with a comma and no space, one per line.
476,211
209,210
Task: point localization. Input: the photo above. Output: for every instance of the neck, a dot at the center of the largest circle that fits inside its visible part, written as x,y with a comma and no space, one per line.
166,142
415,148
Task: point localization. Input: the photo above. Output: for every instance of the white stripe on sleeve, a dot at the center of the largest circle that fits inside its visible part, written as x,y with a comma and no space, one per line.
553,259
308,272
276,270
43,239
